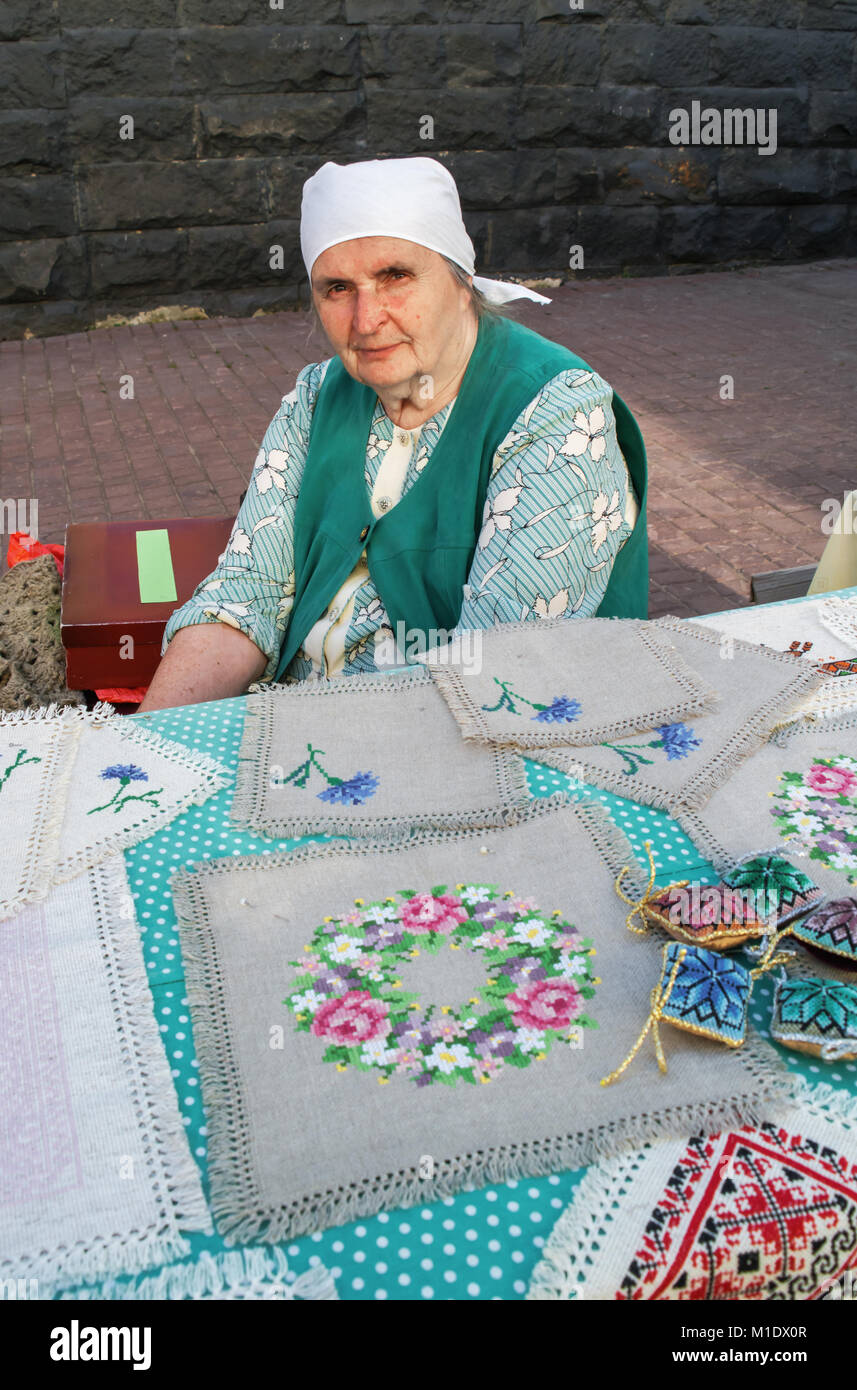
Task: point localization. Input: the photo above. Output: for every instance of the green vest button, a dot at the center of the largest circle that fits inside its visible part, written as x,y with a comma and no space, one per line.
364,533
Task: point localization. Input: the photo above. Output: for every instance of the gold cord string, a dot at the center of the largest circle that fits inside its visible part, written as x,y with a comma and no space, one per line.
638,906
658,999
769,960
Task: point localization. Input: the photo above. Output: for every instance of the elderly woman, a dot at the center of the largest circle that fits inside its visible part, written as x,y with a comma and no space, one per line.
446,470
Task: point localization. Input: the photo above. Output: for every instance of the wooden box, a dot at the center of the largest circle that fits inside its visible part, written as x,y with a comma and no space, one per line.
117,592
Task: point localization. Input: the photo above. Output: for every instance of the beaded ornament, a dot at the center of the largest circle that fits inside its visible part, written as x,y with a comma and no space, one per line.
715,915
816,1016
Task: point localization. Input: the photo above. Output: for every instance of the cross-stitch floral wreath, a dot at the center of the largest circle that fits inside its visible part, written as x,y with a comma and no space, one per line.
817,811
538,979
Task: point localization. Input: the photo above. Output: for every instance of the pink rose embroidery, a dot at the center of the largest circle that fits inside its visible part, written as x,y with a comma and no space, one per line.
546,1004
835,781
353,1018
425,913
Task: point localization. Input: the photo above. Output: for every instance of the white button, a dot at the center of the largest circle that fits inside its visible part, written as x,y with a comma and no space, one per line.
383,503
404,438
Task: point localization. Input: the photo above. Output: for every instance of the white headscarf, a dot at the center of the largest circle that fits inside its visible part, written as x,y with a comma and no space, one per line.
414,199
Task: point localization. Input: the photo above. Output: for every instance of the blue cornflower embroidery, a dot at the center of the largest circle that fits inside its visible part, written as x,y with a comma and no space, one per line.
125,774
676,740
341,791
563,710
352,792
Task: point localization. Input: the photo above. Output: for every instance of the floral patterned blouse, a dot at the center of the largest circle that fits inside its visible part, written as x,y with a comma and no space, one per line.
559,507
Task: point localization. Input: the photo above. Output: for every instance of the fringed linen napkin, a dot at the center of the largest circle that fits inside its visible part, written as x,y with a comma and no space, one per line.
820,632
367,755
381,1024
797,797
37,751
537,685
749,1214
682,763
127,782
96,1177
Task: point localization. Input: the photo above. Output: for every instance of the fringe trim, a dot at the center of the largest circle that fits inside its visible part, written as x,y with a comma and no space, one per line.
44,838
238,1207
172,1176
254,759
214,776
240,1274
699,698
561,1272
697,790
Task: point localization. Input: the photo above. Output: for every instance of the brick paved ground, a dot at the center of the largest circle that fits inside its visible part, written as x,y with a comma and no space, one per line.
736,485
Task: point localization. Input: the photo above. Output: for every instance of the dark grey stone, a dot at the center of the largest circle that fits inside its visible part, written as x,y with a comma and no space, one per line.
282,123
639,176
119,62
594,116
119,259
792,109
231,256
521,241
143,194
833,117
267,59
563,54
691,12
789,176
467,118
26,268
390,12
651,55
31,75
750,234
615,237
38,205
843,175
479,55
107,14
22,19
817,232
578,175
487,179
822,14
31,141
225,12
688,233
163,129
394,55
760,57
761,13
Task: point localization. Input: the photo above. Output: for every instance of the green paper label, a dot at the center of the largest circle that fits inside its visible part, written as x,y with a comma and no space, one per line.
155,567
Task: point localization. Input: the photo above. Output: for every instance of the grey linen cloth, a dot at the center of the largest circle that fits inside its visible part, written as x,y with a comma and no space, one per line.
324,1105
537,685
679,762
370,755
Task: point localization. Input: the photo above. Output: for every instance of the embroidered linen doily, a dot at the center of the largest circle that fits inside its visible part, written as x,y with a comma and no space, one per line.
127,782
682,762
797,797
366,755
763,1213
450,1004
37,751
537,685
95,1170
816,631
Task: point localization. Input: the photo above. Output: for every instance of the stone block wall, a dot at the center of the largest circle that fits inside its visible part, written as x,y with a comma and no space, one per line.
554,116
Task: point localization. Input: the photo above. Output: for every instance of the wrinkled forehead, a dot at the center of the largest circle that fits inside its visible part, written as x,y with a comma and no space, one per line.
366,256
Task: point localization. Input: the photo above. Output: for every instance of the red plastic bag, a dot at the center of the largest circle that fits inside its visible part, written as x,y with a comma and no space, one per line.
24,547
120,695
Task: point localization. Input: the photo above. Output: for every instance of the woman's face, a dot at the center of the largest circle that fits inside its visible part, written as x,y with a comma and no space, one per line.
392,311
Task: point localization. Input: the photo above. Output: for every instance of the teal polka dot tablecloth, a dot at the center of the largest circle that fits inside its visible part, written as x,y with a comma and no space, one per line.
477,1245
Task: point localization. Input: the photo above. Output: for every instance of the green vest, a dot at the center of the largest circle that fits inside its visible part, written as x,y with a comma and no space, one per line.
420,552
